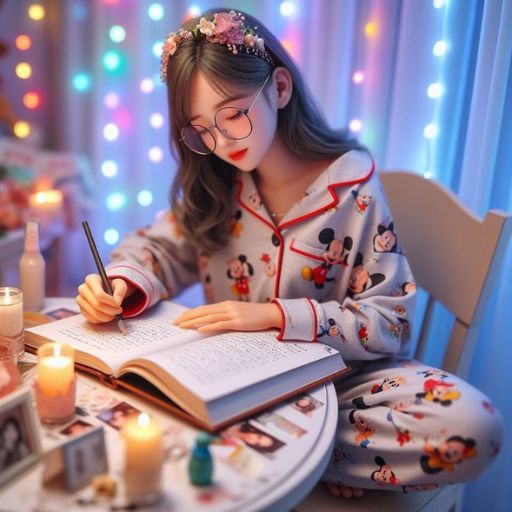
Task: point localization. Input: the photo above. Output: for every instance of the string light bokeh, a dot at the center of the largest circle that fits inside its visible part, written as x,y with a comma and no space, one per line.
141,125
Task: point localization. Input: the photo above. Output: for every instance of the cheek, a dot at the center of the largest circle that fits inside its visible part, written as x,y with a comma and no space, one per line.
264,125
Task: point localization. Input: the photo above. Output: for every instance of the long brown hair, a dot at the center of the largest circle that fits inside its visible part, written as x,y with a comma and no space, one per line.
202,188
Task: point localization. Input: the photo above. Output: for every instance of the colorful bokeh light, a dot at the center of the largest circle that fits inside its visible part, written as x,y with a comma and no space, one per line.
23,70
21,129
23,42
36,12
32,100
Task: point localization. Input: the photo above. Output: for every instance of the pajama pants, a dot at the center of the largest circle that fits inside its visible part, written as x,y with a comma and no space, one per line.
407,427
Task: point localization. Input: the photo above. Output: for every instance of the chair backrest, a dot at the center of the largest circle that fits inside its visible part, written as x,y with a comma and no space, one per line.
454,256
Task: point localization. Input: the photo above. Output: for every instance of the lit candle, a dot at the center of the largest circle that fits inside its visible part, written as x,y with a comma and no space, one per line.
143,441
11,311
56,370
46,201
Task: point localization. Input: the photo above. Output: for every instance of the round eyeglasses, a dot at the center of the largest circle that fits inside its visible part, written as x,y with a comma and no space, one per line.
231,122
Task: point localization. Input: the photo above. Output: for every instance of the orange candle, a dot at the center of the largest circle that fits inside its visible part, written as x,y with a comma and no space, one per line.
56,369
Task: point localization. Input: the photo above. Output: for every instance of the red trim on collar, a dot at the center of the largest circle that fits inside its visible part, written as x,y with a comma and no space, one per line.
334,196
277,229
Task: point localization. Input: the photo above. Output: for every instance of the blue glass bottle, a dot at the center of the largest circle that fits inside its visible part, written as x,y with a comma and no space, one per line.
200,466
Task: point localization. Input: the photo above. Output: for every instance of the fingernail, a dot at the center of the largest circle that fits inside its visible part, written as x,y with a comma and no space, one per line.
118,300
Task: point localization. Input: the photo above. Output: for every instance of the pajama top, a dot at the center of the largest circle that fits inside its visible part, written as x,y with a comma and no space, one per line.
333,265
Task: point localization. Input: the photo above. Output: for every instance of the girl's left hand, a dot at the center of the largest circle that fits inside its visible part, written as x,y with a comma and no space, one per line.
231,315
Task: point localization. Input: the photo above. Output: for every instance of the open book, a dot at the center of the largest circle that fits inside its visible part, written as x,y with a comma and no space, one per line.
210,380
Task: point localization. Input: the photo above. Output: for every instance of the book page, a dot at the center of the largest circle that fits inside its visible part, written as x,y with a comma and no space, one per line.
215,366
150,332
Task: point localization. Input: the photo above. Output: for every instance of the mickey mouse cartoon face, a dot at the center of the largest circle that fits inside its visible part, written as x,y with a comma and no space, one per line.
385,239
360,279
385,474
360,423
236,268
335,252
456,449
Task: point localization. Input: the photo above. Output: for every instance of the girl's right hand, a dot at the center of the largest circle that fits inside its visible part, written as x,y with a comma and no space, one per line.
96,304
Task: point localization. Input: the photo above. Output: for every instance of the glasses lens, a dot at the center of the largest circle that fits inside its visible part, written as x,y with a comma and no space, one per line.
198,138
233,123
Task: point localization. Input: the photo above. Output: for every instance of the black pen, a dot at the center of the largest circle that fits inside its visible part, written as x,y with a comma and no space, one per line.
101,271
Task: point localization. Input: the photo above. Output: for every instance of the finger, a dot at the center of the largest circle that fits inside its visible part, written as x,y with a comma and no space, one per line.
93,313
202,311
218,326
198,312
120,288
93,281
88,317
86,293
208,319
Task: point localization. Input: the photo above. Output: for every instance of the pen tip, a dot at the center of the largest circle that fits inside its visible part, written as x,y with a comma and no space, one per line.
122,327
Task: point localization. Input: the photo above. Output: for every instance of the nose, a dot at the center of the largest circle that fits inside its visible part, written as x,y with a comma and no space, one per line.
221,139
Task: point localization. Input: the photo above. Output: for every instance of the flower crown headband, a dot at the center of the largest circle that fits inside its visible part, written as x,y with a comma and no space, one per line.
227,28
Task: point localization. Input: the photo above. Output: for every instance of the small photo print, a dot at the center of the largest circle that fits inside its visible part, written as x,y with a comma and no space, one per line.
254,438
60,313
306,404
20,444
272,419
14,438
84,457
118,415
77,427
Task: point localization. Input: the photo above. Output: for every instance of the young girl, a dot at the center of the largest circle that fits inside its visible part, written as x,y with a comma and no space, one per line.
285,223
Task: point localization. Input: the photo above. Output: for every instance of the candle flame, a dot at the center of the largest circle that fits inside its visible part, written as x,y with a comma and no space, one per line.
48,197
143,420
56,350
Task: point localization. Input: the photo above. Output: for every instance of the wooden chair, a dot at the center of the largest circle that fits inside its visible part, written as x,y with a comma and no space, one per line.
445,244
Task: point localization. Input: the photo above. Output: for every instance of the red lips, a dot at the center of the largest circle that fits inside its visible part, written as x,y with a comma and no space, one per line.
237,155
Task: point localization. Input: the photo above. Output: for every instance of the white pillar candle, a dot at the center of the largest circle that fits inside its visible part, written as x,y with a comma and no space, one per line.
56,369
143,442
11,311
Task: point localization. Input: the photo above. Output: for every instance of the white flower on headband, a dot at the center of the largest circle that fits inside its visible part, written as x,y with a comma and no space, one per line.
226,28
206,27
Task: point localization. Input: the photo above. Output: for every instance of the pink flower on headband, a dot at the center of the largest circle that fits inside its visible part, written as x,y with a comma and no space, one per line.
171,43
227,29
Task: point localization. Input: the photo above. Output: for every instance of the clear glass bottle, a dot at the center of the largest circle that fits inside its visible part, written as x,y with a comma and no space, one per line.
32,269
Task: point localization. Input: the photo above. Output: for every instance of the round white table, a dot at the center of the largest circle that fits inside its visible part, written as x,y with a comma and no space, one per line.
263,483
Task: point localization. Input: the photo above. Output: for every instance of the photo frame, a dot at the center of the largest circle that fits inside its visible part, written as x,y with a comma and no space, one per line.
20,442
84,456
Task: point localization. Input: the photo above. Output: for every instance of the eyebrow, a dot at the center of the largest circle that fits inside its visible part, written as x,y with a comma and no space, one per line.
225,102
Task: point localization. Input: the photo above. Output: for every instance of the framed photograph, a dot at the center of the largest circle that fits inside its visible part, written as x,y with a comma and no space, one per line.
84,457
20,444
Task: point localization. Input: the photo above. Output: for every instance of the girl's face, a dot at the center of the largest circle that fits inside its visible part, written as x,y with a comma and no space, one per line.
259,440
245,154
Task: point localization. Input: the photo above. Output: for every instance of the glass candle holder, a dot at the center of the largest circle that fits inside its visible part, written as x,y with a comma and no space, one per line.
12,344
